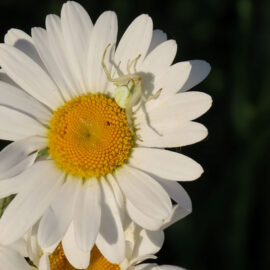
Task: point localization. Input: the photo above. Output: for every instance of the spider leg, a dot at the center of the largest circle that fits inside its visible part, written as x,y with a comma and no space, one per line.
152,97
108,75
133,63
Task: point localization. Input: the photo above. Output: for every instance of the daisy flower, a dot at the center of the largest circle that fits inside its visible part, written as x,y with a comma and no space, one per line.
140,245
90,120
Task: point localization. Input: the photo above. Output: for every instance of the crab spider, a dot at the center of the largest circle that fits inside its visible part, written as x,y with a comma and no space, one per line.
128,89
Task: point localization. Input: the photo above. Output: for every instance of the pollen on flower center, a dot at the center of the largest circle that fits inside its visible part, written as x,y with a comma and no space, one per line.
58,261
89,136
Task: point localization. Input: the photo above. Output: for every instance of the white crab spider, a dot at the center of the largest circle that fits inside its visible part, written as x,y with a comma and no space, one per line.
128,89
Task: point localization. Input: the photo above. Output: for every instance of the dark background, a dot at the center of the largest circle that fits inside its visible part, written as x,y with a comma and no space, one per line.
229,227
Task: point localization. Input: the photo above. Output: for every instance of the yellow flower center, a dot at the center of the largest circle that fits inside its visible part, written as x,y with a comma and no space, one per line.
58,261
89,136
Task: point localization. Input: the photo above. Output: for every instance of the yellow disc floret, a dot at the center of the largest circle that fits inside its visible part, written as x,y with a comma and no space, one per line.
89,136
58,261
99,262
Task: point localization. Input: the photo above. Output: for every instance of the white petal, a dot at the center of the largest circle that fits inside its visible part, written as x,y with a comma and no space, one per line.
148,242
166,164
16,98
177,193
34,198
77,258
13,156
111,239
182,76
16,125
104,33
22,41
145,266
29,75
119,196
40,38
58,216
144,192
87,215
170,133
14,35
20,246
44,263
33,248
12,186
135,41
77,27
157,38
199,70
20,167
143,258
160,58
12,260
168,267
5,78
182,107
59,53
52,248
143,220
180,196
177,214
